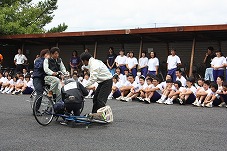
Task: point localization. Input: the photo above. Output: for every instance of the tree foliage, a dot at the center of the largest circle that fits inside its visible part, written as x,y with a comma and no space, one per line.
26,17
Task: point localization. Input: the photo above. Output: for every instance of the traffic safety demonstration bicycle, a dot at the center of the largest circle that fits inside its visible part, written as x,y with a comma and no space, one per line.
44,111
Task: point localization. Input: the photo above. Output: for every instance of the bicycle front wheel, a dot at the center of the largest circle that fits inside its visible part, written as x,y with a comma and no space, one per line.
43,110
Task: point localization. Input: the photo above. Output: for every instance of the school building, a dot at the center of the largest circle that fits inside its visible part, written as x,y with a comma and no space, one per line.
191,43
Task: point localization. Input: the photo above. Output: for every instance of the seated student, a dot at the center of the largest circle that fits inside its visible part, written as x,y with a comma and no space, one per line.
92,88
19,84
213,98
154,93
180,77
125,76
188,95
144,93
6,85
115,88
120,76
126,87
2,80
135,90
28,87
24,72
202,93
166,91
137,78
199,84
223,95
163,84
174,94
12,85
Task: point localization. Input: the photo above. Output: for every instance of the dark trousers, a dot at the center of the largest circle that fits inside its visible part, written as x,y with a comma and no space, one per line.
172,73
38,84
75,107
19,68
101,94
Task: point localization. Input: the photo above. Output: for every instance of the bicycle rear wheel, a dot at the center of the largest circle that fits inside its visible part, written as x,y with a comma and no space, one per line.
43,110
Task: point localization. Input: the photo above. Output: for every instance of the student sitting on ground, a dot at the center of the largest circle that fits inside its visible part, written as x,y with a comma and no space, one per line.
163,84
28,87
142,87
6,85
180,77
202,93
136,91
92,88
125,76
115,88
188,95
174,94
223,95
213,98
125,89
12,85
146,91
166,91
2,80
137,78
154,94
120,76
19,85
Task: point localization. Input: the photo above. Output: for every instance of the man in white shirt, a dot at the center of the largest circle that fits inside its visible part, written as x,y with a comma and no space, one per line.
173,61
180,77
19,61
98,73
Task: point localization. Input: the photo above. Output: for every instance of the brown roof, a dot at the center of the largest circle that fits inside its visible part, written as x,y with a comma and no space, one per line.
205,32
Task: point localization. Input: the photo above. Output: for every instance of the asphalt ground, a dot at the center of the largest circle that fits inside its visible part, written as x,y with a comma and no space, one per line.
136,126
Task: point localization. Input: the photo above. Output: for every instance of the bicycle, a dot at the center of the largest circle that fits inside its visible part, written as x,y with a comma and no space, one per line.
45,114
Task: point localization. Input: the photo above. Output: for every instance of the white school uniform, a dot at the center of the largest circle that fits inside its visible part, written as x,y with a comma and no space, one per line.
152,63
193,89
117,85
216,62
160,89
20,58
131,62
173,61
3,80
182,80
143,62
121,59
29,84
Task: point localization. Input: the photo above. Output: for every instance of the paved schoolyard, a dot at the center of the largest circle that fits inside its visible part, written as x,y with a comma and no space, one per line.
136,126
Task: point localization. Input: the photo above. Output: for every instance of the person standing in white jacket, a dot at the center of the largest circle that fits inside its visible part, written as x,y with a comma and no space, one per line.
98,73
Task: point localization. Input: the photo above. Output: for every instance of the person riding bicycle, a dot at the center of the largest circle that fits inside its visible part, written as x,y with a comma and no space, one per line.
73,94
52,66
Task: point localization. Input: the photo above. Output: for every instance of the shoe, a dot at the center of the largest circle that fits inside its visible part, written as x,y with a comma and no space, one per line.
169,102
13,93
110,98
18,92
147,100
119,98
209,105
64,122
8,92
203,105
195,103
128,99
181,101
160,101
198,104
123,98
222,104
166,101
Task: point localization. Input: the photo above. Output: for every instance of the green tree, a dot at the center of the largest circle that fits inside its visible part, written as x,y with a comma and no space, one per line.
26,17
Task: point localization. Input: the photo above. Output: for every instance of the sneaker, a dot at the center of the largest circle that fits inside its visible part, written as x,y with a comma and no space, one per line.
181,101
64,122
110,98
209,104
160,101
222,104
140,99
169,102
18,92
166,101
199,104
203,105
147,100
13,92
128,99
123,98
195,103
8,92
119,98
